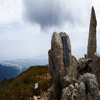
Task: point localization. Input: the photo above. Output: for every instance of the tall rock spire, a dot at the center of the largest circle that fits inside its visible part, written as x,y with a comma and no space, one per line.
92,35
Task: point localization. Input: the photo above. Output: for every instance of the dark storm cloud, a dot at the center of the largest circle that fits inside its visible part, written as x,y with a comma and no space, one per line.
49,13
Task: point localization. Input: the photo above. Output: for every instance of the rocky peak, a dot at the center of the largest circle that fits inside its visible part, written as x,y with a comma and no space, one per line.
93,17
92,35
74,79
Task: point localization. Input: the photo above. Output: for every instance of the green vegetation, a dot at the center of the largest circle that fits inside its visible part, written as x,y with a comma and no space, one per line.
22,87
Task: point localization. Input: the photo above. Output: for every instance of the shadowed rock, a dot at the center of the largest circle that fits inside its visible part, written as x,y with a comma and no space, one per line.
95,67
91,85
92,35
81,94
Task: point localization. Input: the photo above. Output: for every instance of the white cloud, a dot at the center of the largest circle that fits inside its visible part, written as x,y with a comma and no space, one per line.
20,39
10,10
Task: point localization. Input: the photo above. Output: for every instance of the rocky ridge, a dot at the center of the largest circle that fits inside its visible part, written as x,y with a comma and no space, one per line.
80,80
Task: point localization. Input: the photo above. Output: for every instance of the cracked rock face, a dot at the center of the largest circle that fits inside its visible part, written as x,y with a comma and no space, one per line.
56,62
56,57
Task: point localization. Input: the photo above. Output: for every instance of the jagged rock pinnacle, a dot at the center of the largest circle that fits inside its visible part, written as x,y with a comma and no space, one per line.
92,35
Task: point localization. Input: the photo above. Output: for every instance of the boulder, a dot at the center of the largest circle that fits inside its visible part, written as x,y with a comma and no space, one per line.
91,85
66,81
71,87
81,93
69,93
66,94
95,67
76,85
84,66
35,98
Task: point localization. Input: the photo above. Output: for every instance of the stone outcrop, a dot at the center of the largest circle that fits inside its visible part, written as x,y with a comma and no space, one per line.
69,93
56,56
84,65
90,65
80,79
81,93
56,63
92,35
86,89
67,80
91,85
95,67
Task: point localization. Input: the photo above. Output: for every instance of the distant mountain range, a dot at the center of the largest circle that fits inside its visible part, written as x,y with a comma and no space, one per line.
12,68
26,63
8,72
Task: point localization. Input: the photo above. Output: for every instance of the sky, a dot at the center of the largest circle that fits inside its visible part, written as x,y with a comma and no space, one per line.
26,26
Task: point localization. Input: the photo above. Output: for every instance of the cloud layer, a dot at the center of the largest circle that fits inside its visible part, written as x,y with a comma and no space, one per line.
19,39
50,13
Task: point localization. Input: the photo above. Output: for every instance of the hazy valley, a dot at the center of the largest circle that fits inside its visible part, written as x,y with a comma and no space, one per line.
12,68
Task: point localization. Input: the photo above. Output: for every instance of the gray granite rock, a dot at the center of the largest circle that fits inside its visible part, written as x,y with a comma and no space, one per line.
81,93
91,85
56,63
66,94
92,35
66,81
95,67
77,79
